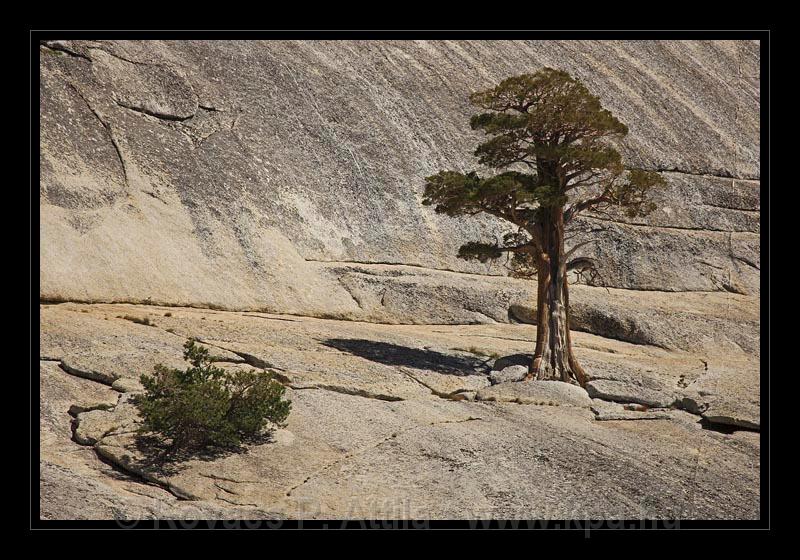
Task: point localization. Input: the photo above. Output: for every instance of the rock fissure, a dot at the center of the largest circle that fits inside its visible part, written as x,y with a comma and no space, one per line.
99,377
737,209
356,392
107,126
154,114
447,395
246,504
409,265
680,228
361,451
286,380
350,291
138,476
249,359
128,60
228,479
726,174
57,47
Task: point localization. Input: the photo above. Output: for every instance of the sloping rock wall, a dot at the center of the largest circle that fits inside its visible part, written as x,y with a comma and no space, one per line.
261,175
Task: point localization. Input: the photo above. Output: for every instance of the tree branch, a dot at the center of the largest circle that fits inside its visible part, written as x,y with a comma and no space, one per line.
579,207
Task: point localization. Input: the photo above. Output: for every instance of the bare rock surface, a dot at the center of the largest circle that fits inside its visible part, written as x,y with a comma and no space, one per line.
392,421
620,391
545,393
608,410
109,347
727,394
166,162
509,374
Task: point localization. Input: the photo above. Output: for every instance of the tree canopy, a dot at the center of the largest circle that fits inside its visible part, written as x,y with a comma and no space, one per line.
559,143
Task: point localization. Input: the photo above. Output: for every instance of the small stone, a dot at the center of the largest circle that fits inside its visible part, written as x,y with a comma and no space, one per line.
508,375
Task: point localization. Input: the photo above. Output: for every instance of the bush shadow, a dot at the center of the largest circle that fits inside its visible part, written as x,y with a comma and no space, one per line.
158,456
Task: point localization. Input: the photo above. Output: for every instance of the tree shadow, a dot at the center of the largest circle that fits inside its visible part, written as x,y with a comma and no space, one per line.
395,355
159,458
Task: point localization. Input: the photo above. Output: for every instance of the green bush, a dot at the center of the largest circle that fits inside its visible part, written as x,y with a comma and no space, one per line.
204,405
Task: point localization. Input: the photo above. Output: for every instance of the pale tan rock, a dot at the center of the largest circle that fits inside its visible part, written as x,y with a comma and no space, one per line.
619,391
546,393
349,451
92,426
157,176
728,394
127,385
607,410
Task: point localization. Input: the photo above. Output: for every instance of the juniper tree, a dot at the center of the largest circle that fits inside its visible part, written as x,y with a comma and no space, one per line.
553,146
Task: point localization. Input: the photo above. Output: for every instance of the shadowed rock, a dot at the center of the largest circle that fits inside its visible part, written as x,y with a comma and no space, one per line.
396,355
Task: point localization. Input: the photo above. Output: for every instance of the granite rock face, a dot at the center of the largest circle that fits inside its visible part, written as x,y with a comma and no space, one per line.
264,198
217,173
400,422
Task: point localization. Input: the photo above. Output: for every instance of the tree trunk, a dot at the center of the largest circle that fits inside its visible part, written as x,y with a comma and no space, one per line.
553,358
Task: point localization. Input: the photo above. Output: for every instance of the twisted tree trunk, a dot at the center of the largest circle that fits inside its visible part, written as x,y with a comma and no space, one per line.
553,357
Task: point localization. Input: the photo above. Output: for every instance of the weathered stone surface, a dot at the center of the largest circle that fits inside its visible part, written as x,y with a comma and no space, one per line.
107,347
728,393
605,410
448,385
264,158
691,321
59,392
359,445
94,425
699,322
643,257
127,385
507,369
75,484
546,393
377,468
703,236
620,391
67,494
509,374
700,202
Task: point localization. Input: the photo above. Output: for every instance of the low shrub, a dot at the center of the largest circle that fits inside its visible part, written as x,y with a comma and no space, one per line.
206,406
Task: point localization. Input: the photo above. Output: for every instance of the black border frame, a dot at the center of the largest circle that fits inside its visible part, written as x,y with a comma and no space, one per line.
584,527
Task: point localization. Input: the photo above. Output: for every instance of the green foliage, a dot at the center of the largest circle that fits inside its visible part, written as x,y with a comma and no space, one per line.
477,251
559,144
550,103
457,194
550,112
204,405
632,195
